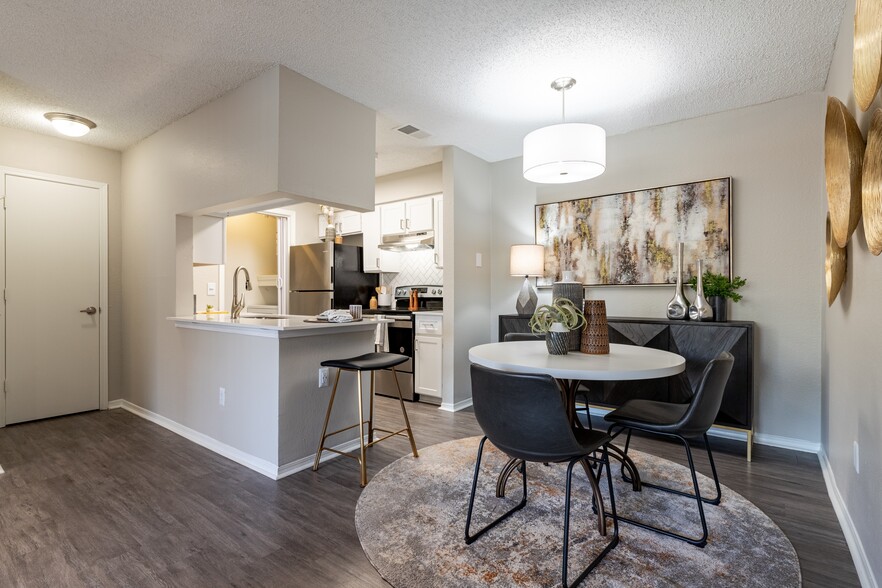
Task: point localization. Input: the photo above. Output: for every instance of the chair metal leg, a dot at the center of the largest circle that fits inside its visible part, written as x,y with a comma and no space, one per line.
413,446
371,412
566,535
361,447
469,539
633,477
699,541
321,446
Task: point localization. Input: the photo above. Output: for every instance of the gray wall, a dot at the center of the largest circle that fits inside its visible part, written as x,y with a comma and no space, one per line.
66,157
771,152
852,401
467,232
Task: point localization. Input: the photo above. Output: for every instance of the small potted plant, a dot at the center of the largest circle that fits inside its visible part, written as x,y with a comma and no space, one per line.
717,288
556,320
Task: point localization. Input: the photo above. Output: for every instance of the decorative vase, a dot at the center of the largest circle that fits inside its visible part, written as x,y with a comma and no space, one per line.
557,341
575,292
718,303
700,309
595,335
678,307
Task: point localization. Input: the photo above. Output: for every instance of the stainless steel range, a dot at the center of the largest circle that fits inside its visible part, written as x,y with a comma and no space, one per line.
401,335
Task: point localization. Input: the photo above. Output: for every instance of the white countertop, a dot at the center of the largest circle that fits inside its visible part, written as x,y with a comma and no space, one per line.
429,312
279,326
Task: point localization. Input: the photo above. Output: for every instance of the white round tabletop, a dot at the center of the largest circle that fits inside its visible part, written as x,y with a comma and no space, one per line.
624,362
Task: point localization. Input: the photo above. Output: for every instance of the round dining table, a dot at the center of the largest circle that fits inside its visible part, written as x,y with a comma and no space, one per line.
623,362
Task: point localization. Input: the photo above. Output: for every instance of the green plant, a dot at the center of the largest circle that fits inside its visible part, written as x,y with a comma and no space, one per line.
561,310
719,285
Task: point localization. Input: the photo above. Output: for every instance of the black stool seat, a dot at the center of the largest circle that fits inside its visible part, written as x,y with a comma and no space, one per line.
367,362
650,415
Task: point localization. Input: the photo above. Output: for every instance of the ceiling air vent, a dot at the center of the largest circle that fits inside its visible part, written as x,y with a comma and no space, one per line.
412,131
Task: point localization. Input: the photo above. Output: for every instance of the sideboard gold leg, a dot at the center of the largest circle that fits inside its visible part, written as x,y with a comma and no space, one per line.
749,445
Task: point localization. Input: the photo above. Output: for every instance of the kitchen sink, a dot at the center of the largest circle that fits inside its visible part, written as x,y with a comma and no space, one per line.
273,317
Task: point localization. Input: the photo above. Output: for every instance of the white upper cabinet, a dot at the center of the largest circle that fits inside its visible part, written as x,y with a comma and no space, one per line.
348,221
408,216
375,259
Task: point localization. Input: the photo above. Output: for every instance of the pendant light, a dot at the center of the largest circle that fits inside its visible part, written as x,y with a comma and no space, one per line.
70,124
566,152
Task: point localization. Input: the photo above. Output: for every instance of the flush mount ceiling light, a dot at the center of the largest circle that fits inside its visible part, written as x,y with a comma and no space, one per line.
70,124
566,152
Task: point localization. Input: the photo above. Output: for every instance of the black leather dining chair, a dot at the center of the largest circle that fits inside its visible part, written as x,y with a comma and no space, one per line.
508,337
524,416
683,422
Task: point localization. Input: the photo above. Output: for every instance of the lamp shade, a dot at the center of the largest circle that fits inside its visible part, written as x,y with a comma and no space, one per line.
527,260
564,153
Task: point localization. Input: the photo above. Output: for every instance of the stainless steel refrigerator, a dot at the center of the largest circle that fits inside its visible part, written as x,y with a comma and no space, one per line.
327,275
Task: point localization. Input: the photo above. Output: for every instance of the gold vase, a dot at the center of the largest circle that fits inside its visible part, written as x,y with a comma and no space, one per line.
595,335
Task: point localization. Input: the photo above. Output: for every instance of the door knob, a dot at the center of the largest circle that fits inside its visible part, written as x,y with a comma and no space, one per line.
90,310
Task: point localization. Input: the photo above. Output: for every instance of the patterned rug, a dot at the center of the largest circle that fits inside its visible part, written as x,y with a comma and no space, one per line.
411,516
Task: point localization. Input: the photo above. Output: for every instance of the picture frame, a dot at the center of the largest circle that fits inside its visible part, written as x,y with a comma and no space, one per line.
630,238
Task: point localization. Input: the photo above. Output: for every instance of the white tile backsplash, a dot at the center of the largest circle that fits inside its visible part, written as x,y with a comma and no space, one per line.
417,268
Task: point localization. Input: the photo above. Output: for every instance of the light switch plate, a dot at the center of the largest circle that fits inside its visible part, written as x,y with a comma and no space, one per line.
212,288
478,260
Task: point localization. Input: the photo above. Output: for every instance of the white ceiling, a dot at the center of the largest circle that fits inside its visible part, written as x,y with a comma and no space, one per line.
471,73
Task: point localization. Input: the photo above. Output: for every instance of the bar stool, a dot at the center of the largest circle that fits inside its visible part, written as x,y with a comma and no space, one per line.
369,362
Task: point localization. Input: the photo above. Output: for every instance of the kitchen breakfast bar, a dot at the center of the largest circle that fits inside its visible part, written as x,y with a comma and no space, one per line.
252,386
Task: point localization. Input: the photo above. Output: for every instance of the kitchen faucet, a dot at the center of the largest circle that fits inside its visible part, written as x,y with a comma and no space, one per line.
239,302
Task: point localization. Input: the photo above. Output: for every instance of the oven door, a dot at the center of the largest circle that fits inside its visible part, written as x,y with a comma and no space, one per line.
400,341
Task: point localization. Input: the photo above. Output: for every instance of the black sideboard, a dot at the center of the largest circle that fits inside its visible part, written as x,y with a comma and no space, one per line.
698,342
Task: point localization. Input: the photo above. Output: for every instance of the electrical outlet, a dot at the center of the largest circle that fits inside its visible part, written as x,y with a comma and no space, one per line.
222,396
324,377
212,289
857,458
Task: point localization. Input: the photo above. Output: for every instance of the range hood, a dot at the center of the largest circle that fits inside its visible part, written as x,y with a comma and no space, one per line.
409,241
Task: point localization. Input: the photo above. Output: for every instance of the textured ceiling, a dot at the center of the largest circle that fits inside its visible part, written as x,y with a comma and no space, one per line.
471,73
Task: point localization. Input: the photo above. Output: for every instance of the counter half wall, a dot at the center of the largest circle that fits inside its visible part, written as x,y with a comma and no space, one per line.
270,413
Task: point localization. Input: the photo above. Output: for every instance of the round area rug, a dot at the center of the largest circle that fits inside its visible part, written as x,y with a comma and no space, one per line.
411,519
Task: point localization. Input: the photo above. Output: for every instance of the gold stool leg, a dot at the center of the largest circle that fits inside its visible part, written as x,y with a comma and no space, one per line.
404,412
321,447
363,457
371,414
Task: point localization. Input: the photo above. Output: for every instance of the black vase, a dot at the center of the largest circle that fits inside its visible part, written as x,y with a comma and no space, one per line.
718,303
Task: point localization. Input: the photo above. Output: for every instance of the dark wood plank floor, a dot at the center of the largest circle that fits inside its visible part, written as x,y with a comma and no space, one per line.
108,499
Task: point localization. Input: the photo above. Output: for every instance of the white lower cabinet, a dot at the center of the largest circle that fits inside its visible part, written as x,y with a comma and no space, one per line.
427,356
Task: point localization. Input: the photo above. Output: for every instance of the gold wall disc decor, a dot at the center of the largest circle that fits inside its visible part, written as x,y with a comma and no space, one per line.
834,265
871,185
867,70
843,160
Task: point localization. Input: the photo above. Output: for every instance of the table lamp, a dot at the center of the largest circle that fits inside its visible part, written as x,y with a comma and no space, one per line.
527,261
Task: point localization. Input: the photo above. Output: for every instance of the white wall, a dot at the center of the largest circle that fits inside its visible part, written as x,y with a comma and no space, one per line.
771,152
852,394
66,157
420,181
468,222
225,151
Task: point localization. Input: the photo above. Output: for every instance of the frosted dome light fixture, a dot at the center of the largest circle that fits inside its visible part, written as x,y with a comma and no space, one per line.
70,124
565,152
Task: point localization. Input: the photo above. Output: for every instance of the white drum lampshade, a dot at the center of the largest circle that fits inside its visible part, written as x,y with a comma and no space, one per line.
527,261
564,153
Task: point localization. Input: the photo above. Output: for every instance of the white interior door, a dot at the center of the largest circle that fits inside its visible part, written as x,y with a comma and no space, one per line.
53,242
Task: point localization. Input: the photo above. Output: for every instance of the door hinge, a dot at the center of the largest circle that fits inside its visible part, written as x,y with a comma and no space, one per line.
3,198
4,386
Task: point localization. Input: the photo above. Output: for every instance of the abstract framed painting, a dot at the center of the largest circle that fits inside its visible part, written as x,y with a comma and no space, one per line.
630,238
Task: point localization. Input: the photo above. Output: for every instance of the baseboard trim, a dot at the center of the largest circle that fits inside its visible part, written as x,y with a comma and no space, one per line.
855,546
304,463
251,462
758,438
451,407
